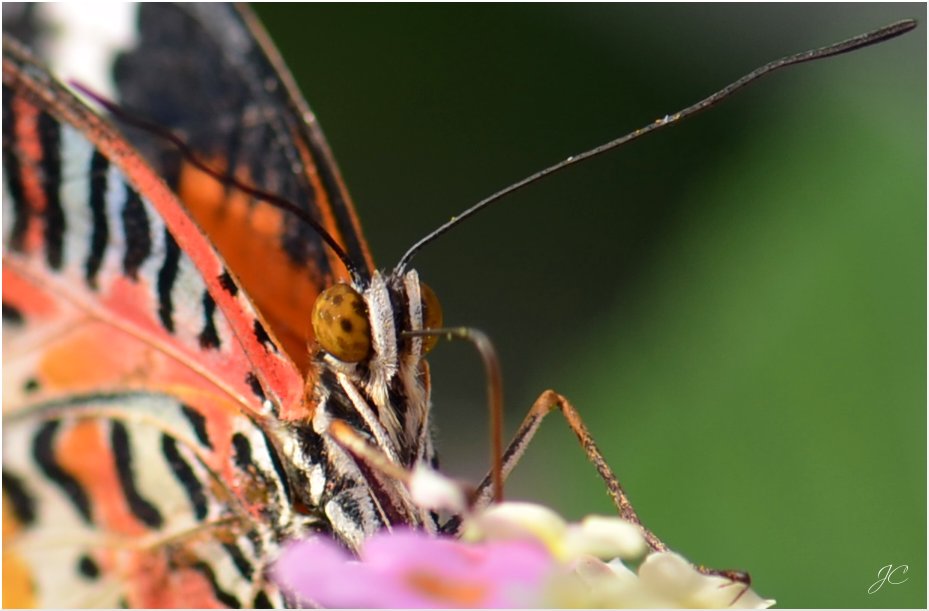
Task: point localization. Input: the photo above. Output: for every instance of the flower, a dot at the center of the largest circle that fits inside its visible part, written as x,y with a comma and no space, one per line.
663,580
600,536
411,569
510,555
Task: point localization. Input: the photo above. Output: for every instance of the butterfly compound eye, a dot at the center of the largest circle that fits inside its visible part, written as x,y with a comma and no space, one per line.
340,322
432,315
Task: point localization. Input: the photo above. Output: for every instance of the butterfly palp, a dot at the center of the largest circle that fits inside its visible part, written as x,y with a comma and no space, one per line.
340,323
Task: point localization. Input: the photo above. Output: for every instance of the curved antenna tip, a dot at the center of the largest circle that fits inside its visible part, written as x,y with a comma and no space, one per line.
854,43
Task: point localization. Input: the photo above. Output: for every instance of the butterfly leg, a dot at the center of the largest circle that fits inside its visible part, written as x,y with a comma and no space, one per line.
548,402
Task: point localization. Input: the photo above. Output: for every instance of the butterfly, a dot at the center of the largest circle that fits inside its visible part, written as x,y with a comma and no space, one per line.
210,382
153,386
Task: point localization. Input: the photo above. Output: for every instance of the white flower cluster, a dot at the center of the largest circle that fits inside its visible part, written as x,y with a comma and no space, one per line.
604,563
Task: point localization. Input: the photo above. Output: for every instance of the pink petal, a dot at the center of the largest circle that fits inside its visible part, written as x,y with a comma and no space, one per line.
414,570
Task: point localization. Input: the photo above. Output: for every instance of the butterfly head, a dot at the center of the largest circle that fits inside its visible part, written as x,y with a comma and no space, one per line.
362,332
347,327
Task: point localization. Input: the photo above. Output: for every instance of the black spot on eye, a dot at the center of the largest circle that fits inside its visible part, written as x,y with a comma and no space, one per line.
228,284
359,308
31,385
337,299
88,567
346,325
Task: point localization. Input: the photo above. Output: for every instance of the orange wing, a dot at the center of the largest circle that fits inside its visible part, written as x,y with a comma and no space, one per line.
140,384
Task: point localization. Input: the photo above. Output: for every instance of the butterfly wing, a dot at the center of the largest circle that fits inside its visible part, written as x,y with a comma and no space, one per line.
126,336
90,231
131,499
231,98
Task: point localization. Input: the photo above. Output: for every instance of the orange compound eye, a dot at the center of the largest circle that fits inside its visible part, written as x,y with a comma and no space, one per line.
432,315
340,322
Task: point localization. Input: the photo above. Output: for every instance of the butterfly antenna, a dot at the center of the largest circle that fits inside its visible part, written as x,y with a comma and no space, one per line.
266,196
852,44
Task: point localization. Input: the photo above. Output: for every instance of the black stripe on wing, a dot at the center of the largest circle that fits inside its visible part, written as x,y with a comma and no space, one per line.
230,104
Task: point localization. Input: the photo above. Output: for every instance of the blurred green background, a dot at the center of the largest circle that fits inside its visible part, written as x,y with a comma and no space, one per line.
736,305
